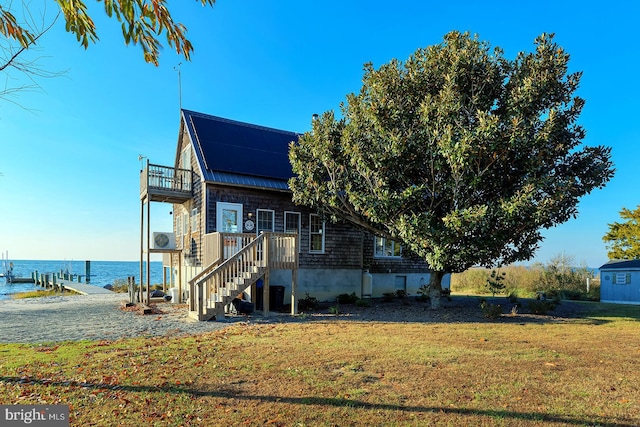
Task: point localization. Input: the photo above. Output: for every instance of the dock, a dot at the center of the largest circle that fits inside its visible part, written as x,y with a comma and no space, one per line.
82,288
62,282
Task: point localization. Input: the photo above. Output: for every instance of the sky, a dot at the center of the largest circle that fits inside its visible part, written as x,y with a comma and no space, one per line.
69,188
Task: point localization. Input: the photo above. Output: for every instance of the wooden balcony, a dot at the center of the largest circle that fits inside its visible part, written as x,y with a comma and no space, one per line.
165,184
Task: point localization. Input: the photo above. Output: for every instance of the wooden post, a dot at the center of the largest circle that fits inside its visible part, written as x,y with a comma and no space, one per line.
87,272
265,293
141,245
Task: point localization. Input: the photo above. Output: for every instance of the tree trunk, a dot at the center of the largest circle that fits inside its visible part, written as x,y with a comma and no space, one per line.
435,288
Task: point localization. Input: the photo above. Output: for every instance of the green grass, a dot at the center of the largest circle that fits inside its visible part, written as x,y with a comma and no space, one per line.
580,372
41,293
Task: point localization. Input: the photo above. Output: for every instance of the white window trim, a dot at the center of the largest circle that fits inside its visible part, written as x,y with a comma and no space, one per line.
377,255
194,220
299,230
184,155
273,220
185,224
322,233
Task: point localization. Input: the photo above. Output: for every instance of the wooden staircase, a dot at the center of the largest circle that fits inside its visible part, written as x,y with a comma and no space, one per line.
220,282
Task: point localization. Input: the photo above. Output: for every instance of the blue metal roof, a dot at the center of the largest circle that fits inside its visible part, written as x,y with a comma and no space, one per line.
621,264
238,153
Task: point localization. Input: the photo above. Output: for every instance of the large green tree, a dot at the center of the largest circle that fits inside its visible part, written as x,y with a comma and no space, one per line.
460,153
623,238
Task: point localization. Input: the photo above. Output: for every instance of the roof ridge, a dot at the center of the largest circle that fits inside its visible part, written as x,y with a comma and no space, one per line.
237,122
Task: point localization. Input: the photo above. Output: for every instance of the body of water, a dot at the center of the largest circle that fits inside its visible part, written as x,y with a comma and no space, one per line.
102,273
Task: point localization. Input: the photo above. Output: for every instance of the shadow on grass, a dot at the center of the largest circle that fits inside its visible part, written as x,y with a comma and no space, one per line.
466,309
324,401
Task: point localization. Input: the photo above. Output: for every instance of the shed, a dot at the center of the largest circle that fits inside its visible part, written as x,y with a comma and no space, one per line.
620,281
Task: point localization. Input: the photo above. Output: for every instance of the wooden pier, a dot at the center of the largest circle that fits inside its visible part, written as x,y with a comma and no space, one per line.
62,282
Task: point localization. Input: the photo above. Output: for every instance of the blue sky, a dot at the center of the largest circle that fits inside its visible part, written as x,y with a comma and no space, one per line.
69,153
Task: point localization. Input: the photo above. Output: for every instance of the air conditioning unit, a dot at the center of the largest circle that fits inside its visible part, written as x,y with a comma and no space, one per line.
162,240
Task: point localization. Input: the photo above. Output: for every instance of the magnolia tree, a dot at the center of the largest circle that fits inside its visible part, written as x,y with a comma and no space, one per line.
461,154
623,238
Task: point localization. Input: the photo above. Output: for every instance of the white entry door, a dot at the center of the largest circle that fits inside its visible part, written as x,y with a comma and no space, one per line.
229,220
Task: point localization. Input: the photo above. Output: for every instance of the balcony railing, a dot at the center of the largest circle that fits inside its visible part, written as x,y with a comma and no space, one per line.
165,184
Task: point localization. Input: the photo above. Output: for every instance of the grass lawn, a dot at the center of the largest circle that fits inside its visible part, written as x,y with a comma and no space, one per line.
560,372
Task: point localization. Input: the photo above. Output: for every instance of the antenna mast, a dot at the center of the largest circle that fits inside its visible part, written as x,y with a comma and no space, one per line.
177,68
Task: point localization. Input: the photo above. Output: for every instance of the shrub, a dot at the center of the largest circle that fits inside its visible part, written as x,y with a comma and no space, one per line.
347,298
541,306
307,303
491,311
388,296
363,303
334,310
512,297
401,293
423,293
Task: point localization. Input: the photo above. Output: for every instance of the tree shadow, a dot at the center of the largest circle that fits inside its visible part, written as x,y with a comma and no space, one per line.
459,309
228,393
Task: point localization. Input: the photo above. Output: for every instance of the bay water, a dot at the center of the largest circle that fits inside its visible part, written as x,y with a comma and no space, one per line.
102,273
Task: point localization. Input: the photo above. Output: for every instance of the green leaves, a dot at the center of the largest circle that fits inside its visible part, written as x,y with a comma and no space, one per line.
142,22
460,153
623,238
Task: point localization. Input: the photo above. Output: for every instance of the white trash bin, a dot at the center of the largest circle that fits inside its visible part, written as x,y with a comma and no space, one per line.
175,295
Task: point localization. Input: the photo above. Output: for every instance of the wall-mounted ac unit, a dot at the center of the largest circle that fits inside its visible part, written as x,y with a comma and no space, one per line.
161,240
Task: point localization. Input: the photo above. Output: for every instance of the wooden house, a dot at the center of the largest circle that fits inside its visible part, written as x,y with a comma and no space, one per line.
620,282
236,227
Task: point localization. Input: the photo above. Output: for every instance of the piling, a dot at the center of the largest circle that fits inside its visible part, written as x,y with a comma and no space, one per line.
87,271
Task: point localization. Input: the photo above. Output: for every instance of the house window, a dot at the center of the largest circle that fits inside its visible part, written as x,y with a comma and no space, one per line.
185,224
621,278
316,234
292,221
264,220
185,158
384,247
178,225
194,220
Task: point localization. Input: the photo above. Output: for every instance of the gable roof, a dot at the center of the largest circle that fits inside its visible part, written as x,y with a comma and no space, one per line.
622,264
238,153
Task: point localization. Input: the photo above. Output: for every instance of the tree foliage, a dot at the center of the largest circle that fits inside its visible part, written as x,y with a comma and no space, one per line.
623,238
142,23
458,152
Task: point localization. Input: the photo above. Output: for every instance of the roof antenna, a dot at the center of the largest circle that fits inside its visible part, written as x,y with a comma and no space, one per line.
177,68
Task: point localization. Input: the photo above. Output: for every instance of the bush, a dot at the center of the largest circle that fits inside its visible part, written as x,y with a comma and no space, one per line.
423,293
363,303
347,298
541,306
401,293
388,296
307,303
491,311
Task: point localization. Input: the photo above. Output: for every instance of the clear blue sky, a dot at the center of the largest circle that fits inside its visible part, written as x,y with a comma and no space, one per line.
69,153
